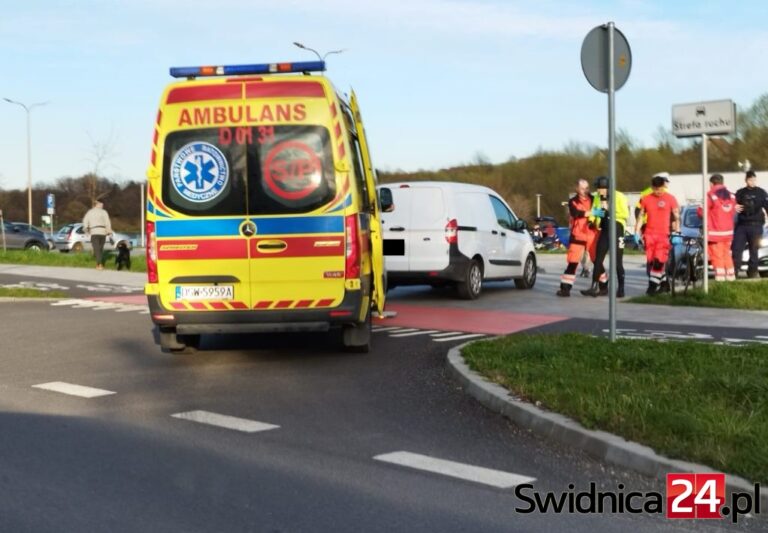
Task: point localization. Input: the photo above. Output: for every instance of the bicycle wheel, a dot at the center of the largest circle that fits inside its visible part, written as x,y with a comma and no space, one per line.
671,270
698,270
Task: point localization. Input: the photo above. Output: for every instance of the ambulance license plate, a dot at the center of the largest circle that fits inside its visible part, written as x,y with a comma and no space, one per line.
205,292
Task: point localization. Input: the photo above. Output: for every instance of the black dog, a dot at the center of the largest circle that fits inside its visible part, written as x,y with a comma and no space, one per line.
123,259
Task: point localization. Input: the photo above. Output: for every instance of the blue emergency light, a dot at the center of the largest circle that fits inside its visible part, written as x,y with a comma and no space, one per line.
239,70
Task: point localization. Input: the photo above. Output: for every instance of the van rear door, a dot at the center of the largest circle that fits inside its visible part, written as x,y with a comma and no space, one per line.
294,202
427,246
201,220
394,224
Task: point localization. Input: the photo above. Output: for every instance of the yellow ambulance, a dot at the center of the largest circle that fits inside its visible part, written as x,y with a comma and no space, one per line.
262,213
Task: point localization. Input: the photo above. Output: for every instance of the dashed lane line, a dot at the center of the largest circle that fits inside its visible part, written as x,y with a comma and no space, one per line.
225,421
73,390
476,474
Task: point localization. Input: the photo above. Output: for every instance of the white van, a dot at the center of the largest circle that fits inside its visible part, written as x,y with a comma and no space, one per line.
440,233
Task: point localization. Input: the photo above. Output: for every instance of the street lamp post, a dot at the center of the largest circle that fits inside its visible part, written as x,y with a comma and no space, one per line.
316,52
27,109
538,206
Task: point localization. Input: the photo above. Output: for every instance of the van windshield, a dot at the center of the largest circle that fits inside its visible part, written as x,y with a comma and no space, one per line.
253,170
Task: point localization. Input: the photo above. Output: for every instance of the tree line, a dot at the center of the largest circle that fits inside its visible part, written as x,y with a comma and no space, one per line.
551,174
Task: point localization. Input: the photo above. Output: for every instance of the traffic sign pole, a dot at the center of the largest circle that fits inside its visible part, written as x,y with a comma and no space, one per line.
704,208
612,183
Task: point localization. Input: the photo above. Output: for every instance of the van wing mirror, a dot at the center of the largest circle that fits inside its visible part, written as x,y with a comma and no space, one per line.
385,200
520,225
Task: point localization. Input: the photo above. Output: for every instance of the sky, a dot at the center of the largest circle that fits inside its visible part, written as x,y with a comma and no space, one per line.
440,82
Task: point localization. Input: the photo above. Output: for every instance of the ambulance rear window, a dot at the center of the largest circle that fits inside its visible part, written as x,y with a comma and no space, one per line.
252,170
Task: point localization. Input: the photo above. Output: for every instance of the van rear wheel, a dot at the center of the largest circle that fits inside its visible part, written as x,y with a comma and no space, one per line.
171,342
357,338
472,284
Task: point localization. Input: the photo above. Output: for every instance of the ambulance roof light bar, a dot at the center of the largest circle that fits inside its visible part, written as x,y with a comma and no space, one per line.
239,70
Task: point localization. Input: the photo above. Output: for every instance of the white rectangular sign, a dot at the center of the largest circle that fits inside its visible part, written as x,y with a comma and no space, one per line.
711,118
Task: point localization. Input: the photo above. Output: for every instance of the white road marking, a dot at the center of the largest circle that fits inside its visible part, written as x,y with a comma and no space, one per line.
66,302
447,334
477,474
460,337
422,332
406,330
376,329
225,421
73,390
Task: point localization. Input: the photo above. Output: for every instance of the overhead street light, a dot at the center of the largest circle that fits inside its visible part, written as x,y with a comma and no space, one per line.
316,52
27,109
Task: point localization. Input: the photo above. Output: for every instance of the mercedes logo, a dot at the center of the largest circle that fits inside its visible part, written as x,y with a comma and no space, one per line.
248,228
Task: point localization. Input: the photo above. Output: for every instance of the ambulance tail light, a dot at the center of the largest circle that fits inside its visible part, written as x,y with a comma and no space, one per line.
352,255
452,231
240,70
151,253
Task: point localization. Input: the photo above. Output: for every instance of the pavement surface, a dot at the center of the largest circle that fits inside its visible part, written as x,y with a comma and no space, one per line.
102,431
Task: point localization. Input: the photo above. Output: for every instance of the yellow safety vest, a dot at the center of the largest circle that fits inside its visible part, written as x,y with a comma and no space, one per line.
620,211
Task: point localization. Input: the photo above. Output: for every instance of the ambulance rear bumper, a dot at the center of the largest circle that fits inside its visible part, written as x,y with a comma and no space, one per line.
257,321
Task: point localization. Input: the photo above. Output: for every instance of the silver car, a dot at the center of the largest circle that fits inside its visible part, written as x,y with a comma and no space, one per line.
690,226
72,238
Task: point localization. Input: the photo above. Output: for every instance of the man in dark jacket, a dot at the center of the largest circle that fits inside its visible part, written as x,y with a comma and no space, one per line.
752,202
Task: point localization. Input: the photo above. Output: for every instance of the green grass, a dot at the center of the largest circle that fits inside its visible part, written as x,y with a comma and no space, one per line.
71,259
693,401
29,293
742,294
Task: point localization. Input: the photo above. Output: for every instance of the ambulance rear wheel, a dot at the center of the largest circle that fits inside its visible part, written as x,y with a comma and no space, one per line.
171,342
357,338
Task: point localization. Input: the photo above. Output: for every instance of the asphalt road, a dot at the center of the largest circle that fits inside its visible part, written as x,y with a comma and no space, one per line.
122,462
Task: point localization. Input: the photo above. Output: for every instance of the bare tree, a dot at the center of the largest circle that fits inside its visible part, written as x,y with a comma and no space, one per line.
100,155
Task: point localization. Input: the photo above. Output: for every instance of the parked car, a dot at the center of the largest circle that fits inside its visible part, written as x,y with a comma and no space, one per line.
30,227
72,237
19,238
690,226
441,233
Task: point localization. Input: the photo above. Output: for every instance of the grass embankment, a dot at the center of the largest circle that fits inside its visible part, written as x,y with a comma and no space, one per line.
741,294
71,259
29,293
693,401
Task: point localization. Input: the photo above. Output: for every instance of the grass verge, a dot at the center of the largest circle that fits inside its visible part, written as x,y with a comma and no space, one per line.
742,294
693,401
72,259
29,293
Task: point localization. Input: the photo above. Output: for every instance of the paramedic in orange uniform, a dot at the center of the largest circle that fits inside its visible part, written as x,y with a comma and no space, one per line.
583,236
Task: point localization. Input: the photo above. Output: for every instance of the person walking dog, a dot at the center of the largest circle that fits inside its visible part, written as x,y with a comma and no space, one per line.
96,224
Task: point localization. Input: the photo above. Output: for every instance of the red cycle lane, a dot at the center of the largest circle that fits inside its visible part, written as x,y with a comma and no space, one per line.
466,320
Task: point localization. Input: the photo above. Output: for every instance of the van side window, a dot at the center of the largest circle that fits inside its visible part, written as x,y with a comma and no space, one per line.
503,216
357,159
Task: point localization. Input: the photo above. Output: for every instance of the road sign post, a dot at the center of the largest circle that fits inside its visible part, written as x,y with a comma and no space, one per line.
606,60
703,119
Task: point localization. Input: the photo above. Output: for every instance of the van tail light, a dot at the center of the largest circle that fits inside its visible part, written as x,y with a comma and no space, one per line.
352,256
452,231
151,253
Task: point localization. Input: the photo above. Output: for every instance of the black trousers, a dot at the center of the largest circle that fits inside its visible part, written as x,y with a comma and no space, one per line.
603,247
98,247
743,236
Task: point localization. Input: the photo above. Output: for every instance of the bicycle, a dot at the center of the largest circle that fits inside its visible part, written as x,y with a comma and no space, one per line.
687,270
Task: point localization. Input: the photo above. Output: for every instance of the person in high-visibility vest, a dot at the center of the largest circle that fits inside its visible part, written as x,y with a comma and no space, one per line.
583,236
604,212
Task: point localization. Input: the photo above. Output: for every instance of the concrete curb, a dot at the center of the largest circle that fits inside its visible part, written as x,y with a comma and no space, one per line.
599,444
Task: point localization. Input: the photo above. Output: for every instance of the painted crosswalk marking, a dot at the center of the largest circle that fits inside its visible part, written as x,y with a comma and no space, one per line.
460,337
72,389
225,421
413,333
97,305
397,332
476,474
